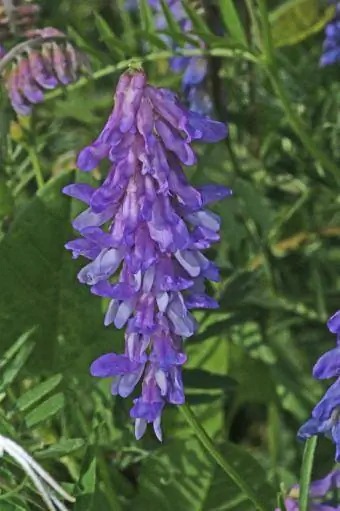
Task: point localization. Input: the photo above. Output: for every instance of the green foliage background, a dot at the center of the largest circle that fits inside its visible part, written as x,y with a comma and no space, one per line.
248,379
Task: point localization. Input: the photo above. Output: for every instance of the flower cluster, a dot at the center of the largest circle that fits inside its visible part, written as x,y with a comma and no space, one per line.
326,414
54,63
22,17
155,228
318,494
331,45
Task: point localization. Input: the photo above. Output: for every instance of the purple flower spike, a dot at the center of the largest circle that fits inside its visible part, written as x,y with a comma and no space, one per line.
143,233
317,493
40,69
326,414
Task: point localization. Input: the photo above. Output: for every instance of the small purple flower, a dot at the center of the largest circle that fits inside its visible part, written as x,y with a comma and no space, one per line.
326,414
41,69
331,45
143,233
318,494
22,17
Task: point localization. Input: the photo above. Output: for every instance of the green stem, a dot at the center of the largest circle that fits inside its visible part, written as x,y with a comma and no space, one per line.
151,57
295,121
220,460
306,472
108,484
36,166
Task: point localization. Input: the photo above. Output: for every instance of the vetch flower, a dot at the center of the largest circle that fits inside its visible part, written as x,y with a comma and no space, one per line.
36,70
318,493
143,233
331,45
326,414
44,483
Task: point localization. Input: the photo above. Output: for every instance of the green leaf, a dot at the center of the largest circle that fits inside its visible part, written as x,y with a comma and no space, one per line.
6,199
15,348
296,20
232,21
36,393
46,410
60,449
173,26
14,368
146,16
114,45
85,502
152,38
182,476
306,472
40,287
196,18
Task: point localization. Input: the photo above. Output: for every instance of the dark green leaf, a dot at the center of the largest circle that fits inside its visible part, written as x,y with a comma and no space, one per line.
232,21
182,476
60,449
13,369
40,287
196,18
36,393
113,44
46,410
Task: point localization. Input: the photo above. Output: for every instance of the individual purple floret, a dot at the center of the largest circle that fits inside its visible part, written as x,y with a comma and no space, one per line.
143,233
331,45
318,494
326,414
39,69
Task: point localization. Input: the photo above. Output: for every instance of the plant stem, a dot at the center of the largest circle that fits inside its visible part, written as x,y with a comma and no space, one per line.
306,472
108,483
36,166
151,57
220,460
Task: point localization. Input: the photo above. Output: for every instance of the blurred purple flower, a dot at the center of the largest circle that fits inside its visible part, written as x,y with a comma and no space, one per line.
16,16
40,69
155,227
326,414
194,69
331,45
318,494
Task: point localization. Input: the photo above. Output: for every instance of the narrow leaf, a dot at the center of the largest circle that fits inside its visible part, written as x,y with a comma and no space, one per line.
173,26
46,410
13,350
33,395
113,44
62,448
12,371
232,21
146,16
306,472
196,18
